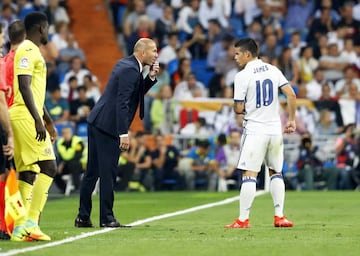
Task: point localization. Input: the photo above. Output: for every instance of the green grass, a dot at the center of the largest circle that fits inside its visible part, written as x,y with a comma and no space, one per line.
326,223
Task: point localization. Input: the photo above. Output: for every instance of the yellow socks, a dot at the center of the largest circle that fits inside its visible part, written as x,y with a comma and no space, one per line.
25,190
39,196
26,193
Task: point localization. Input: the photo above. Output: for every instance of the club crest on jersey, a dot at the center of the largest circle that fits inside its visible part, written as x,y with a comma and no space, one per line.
24,62
47,151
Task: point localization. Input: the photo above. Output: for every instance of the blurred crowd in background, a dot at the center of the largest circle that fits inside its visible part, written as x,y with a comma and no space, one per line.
191,136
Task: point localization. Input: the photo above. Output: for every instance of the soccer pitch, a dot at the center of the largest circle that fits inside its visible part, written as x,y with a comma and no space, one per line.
326,223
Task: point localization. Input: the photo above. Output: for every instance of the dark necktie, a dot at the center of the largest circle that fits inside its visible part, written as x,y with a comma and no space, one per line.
141,95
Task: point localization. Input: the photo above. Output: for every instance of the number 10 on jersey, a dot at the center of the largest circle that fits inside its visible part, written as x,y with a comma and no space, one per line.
264,93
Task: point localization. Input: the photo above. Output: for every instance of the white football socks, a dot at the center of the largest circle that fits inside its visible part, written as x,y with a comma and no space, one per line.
247,195
277,190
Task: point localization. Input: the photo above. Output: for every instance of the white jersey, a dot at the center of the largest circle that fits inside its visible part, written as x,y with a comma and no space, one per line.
258,86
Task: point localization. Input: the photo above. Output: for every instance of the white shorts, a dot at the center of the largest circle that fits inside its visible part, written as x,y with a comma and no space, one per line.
258,149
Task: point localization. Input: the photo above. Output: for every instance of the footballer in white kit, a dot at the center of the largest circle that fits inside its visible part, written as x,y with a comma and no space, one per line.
256,90
257,85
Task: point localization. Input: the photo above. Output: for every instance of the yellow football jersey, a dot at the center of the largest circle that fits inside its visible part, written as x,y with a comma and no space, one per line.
29,61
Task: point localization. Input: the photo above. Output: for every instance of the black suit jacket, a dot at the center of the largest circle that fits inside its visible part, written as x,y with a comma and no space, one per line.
115,110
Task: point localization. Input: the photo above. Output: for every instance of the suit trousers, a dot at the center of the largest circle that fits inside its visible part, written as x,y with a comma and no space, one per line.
103,157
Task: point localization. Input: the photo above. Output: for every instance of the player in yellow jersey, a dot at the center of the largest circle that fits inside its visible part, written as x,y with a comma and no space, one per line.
32,126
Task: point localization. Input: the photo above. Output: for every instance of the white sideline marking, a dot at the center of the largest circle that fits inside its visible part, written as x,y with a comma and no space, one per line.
135,223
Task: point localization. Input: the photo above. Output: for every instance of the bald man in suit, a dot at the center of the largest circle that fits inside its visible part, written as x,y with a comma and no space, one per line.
108,126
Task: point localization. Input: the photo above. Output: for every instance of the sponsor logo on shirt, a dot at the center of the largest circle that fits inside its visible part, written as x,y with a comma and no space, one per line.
24,62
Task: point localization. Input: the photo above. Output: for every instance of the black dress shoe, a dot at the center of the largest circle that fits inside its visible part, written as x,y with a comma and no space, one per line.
83,223
114,224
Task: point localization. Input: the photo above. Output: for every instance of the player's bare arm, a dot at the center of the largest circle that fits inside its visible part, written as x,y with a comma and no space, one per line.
4,115
239,107
24,87
291,104
8,149
49,125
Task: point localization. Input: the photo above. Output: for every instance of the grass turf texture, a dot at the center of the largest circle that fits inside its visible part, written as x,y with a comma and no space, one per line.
326,223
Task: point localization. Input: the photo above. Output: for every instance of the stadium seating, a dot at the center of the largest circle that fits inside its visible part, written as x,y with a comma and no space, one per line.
172,66
120,14
202,73
82,130
237,27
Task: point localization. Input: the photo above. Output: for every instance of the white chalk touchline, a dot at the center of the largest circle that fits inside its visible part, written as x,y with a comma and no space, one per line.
135,223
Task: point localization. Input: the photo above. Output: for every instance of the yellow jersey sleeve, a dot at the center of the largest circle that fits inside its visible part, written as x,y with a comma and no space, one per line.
25,59
29,61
